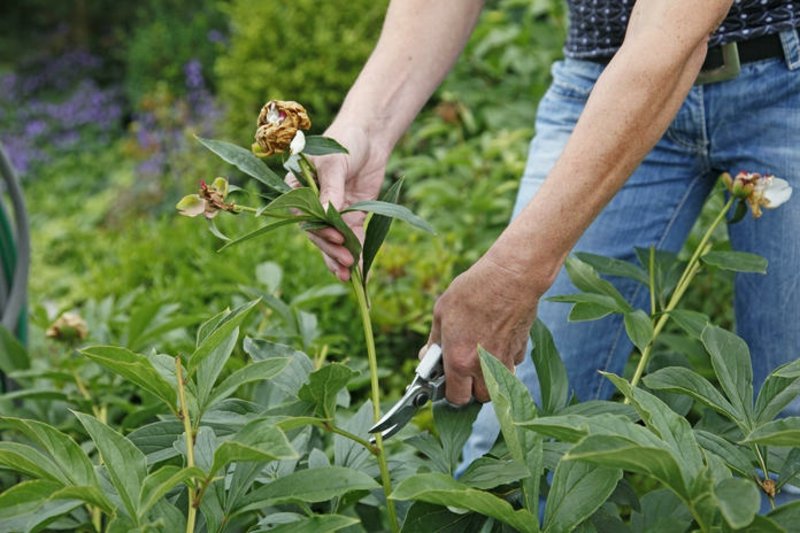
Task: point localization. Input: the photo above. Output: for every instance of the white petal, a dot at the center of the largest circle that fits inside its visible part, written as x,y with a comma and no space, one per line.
273,116
777,192
298,143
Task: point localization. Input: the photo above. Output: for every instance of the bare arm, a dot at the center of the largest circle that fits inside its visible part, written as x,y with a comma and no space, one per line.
494,302
420,41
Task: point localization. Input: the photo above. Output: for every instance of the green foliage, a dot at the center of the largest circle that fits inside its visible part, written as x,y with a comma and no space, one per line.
310,53
166,36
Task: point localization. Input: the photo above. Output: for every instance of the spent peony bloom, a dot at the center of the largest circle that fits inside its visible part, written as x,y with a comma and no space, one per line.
69,327
758,191
208,202
278,124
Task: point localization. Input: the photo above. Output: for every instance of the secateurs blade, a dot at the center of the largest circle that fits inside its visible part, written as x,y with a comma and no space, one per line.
428,384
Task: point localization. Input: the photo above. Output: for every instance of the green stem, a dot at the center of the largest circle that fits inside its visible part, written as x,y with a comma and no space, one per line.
361,296
308,174
763,464
652,268
692,267
187,430
353,437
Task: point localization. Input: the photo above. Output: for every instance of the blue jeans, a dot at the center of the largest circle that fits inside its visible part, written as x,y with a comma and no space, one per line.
749,123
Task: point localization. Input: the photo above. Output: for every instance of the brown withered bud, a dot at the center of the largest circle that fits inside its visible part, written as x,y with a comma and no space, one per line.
277,125
69,328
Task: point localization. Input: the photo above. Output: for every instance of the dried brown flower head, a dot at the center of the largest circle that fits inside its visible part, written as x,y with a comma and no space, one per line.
69,327
209,201
278,123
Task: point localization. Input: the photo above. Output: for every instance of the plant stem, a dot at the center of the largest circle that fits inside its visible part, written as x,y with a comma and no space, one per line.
308,174
187,429
361,296
692,267
652,268
353,437
763,464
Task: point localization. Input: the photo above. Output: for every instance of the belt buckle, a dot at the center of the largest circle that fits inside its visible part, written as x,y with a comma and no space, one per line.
731,66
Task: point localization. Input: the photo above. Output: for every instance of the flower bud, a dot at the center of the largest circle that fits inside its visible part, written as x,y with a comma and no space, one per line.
69,328
278,124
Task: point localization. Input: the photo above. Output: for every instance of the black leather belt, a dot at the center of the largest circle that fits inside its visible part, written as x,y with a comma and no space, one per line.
723,62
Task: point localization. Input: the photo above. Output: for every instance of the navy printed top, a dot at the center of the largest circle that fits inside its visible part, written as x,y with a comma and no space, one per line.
597,27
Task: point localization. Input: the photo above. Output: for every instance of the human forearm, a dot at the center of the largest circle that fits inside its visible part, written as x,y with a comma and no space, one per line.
419,43
630,107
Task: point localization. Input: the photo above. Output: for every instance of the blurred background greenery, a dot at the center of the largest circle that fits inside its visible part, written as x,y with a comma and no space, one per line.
99,102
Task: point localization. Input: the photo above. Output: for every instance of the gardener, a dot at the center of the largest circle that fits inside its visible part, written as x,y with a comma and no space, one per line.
626,166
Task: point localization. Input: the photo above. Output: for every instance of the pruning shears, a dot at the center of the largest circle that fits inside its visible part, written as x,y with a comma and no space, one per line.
428,385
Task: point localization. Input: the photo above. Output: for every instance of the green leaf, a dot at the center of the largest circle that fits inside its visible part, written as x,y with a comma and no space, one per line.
734,455
219,336
691,322
155,440
258,371
302,199
315,524
392,210
674,430
263,230
135,368
454,425
25,497
550,370
442,489
377,229
615,267
349,453
29,461
71,461
682,380
157,484
319,145
661,512
488,472
584,277
730,358
789,370
787,515
319,292
621,452
790,468
323,386
424,516
244,160
584,312
775,394
13,355
738,500
209,369
513,404
351,242
257,441
578,490
736,261
781,432
639,328
91,495
315,485
125,463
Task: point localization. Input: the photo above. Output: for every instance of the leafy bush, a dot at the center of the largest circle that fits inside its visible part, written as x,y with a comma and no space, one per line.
310,53
167,36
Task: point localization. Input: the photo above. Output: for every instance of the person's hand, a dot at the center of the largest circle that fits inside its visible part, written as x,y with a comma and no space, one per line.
345,179
489,305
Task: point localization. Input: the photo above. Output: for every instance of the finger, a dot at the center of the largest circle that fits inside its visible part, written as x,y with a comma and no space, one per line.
343,274
458,373
291,181
329,234
331,183
338,253
479,390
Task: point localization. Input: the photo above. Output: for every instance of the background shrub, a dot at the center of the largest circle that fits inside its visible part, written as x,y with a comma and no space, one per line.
310,52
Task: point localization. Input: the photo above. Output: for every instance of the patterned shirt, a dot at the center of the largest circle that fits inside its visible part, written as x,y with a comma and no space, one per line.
597,27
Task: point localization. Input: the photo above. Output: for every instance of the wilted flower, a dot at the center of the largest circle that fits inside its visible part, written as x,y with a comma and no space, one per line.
208,202
278,124
758,191
69,327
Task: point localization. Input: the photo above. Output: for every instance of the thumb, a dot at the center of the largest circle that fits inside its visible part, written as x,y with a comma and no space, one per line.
331,184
